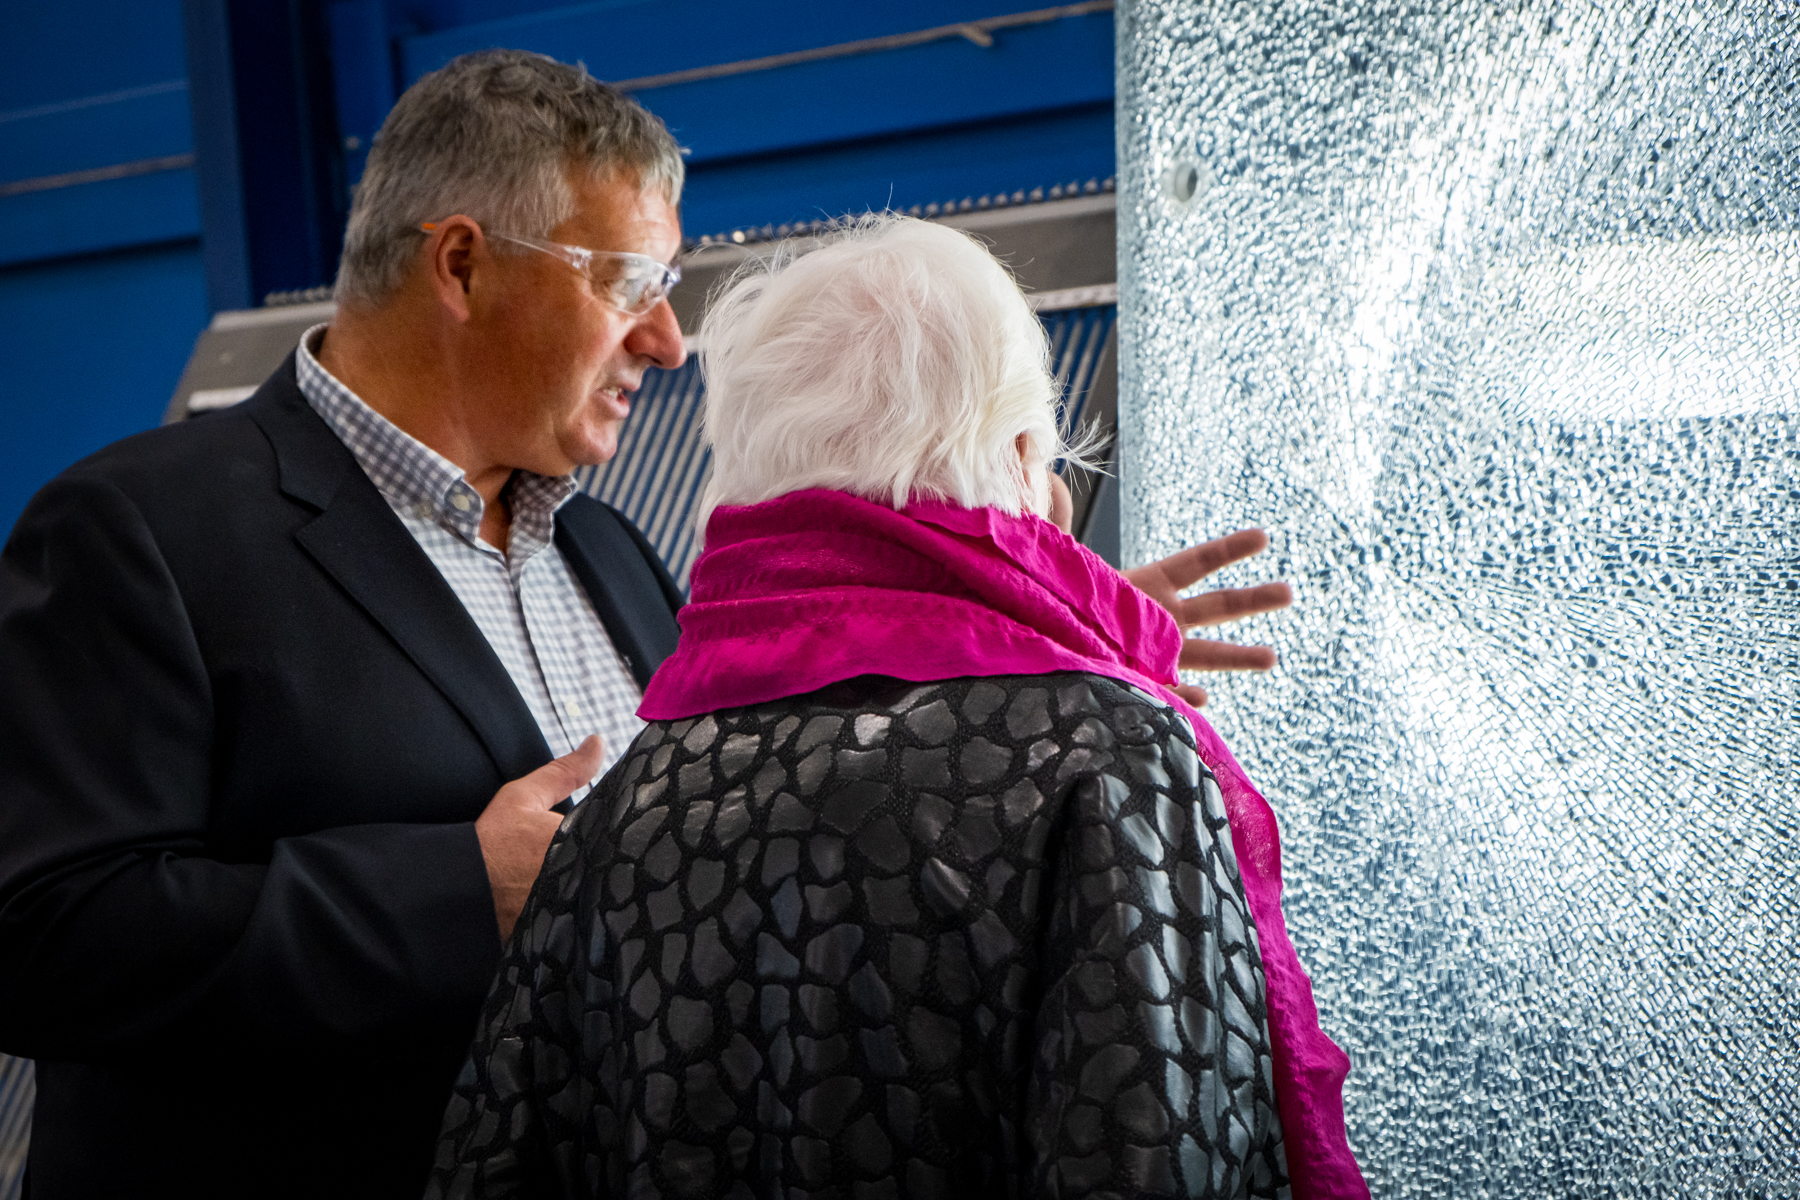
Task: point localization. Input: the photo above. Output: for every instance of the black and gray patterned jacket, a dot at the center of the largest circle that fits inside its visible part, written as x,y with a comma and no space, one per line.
982,937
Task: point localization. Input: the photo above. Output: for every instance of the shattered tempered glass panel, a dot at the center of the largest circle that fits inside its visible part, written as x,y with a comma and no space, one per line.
1491,315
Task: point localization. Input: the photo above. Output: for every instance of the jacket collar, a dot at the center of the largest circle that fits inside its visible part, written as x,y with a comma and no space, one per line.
312,463
358,541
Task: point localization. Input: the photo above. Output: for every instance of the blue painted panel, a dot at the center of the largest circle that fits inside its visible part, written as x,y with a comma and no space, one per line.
1062,63
88,84
96,131
70,49
362,75
419,16
288,152
1065,63
89,217
913,126
623,39
218,168
90,351
1001,156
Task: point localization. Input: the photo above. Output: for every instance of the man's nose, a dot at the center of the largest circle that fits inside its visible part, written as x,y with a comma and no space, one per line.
657,337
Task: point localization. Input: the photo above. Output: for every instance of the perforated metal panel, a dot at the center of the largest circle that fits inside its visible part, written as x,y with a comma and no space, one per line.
18,1092
1488,313
656,477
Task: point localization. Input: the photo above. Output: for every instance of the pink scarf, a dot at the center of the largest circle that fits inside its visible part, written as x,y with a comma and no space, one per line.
819,586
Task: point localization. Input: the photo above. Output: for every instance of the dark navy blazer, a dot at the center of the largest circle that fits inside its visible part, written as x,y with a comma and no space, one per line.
245,729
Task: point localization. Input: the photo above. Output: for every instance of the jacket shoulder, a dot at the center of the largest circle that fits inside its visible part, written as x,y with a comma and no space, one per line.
200,442
604,533
590,516
215,472
198,456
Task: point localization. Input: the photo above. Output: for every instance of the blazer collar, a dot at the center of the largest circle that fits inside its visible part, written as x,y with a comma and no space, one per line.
360,543
634,600
311,461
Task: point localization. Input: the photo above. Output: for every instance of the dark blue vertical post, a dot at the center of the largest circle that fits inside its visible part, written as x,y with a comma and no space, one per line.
272,190
219,176
362,70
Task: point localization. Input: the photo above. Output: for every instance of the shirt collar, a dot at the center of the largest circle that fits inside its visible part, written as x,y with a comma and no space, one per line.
414,477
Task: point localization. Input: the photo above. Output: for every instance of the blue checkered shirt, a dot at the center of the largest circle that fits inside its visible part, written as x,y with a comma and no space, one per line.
525,600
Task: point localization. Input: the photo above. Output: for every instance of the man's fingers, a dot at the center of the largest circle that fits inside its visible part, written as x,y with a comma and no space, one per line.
1228,604
1203,654
1195,696
557,779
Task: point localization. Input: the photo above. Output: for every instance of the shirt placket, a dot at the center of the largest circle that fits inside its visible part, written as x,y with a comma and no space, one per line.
546,629
543,621
462,512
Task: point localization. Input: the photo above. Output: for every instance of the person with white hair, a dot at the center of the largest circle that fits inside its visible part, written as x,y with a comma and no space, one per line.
923,879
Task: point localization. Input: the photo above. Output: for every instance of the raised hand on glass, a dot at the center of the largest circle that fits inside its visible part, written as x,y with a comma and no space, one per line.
1163,581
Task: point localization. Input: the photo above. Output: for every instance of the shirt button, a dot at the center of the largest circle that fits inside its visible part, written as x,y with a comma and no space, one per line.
574,709
459,502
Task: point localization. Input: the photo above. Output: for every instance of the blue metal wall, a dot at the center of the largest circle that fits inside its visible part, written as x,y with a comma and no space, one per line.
902,127
101,288
160,159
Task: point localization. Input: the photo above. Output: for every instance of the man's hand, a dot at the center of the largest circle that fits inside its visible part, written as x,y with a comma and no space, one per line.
516,827
1161,581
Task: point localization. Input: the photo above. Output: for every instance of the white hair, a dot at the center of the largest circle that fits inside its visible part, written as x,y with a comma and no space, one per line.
897,361
493,135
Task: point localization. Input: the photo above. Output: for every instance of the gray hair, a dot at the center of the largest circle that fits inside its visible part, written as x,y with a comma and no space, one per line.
493,135
897,361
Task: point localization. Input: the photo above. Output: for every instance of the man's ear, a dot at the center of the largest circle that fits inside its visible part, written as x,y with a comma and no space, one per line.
454,250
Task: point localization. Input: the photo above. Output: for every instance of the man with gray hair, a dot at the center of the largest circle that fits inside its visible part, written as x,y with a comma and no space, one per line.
292,689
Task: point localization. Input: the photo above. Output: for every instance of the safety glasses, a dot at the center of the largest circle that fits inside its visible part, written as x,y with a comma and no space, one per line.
631,283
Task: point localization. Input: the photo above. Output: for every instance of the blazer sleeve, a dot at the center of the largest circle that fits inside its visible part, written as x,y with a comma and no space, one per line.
118,932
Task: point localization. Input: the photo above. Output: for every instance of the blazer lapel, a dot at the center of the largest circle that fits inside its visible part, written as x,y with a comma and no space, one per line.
360,543
631,591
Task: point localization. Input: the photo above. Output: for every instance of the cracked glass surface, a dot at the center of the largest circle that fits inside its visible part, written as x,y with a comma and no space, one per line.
1488,315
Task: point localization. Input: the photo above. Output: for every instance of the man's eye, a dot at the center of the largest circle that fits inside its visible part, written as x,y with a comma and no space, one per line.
607,275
